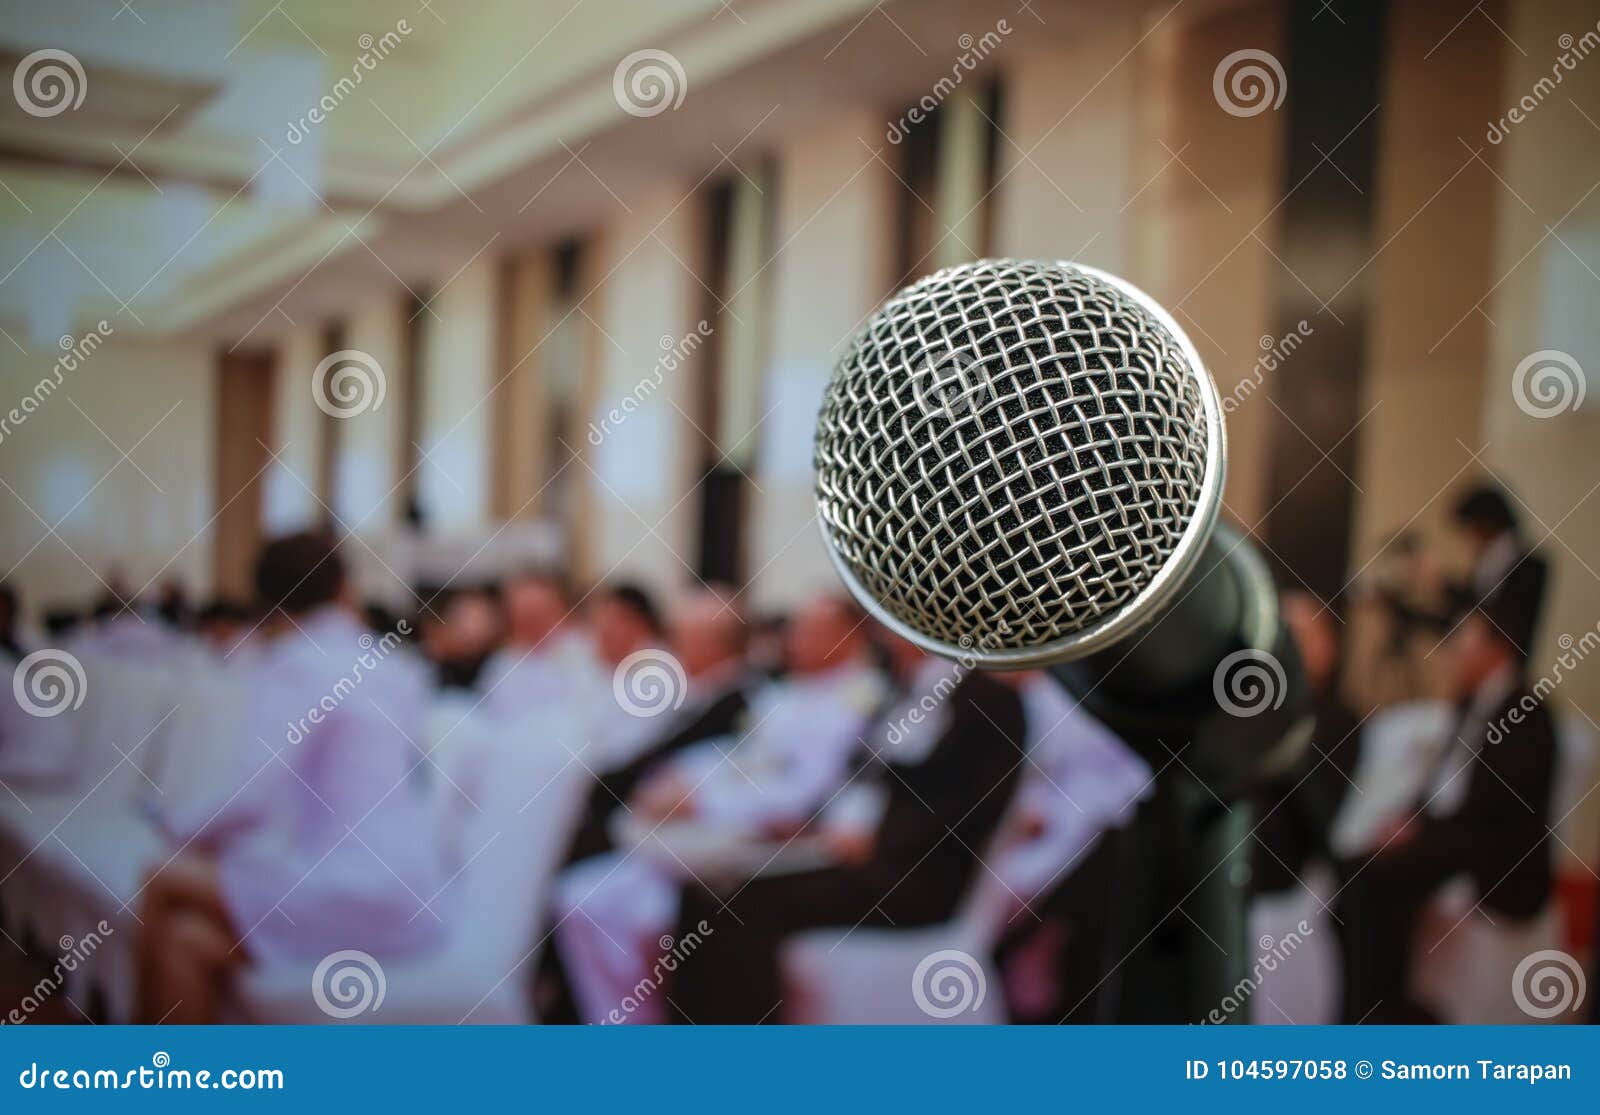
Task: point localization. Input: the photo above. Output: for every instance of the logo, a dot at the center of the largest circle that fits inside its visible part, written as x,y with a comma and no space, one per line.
649,683
1547,383
49,82
49,682
947,983
347,383
649,82
1248,682
1248,82
1547,983
348,983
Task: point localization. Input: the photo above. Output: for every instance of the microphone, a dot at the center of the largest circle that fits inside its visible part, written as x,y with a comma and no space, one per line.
1018,461
1020,464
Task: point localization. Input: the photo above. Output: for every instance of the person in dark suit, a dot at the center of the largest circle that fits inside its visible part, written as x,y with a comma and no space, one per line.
943,764
1506,572
1505,569
1484,814
706,632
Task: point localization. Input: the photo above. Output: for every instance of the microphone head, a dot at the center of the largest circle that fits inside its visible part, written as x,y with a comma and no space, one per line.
1018,462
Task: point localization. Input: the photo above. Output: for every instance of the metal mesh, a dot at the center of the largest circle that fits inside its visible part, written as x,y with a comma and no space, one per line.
1008,453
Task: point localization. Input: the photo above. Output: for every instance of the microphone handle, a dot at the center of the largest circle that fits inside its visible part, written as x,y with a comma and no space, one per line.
1160,687
1192,841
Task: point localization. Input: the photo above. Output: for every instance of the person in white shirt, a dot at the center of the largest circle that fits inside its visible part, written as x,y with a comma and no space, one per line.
323,846
706,634
768,781
545,648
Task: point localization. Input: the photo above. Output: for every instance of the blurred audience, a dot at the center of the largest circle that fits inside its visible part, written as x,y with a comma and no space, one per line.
706,632
763,781
460,630
317,850
747,780
222,625
1503,571
1484,814
932,789
545,653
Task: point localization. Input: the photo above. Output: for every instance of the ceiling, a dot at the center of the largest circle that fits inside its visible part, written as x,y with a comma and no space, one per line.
223,168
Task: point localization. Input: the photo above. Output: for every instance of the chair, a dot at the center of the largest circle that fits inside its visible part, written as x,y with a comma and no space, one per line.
74,846
493,905
940,974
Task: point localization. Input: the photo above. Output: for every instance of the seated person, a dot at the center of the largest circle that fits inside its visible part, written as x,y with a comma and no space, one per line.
323,844
1484,815
223,625
795,751
706,634
943,779
545,653
629,641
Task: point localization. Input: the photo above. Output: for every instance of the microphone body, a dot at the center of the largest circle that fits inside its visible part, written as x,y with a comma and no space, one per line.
1020,464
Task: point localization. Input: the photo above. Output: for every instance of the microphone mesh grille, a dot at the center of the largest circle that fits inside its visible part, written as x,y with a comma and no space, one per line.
1009,453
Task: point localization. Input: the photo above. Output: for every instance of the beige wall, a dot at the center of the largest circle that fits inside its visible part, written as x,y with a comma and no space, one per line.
56,455
638,469
366,467
290,496
1059,104
458,361
1547,300
835,216
1427,351
1201,228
